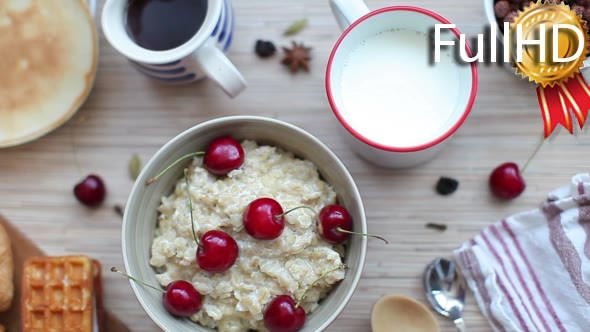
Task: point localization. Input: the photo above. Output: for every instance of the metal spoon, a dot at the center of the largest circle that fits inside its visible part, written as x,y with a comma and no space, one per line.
445,290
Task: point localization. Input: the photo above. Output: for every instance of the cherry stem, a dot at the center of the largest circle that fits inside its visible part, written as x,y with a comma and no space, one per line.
341,266
186,156
190,207
363,234
114,269
279,216
533,155
75,150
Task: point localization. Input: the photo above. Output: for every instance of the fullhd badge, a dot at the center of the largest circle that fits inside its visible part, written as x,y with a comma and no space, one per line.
547,44
554,47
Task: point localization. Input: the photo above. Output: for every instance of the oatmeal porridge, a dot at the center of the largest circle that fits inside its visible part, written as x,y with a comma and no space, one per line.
235,300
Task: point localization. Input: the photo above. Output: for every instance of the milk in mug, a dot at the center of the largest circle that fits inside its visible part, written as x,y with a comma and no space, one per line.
393,95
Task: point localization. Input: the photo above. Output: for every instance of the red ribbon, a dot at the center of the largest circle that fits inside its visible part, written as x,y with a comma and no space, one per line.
557,101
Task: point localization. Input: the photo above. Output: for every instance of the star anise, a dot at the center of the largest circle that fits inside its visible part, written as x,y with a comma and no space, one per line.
297,57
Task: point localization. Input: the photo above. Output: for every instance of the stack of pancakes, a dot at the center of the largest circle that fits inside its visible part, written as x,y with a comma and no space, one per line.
48,60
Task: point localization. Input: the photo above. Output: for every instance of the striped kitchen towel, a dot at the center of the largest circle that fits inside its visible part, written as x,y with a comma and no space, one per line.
531,271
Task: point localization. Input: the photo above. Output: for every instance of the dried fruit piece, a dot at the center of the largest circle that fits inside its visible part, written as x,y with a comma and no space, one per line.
296,27
511,16
265,49
501,8
525,4
438,227
297,57
579,9
119,210
446,186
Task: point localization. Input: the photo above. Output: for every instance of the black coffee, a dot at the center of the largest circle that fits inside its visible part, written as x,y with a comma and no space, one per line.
161,25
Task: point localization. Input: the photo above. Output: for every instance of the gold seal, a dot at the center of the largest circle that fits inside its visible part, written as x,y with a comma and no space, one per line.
548,73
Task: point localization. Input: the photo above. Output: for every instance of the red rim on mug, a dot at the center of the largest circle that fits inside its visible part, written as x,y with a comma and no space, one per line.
377,145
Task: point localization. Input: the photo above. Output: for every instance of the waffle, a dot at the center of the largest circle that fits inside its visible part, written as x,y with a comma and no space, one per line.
58,294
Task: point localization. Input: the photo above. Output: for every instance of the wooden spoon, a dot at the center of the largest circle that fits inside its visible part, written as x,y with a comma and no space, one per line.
395,313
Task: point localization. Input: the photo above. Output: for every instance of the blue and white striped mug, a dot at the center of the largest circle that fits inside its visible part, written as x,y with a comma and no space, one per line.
201,56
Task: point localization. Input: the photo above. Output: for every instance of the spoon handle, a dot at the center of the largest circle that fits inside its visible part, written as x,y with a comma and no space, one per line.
459,324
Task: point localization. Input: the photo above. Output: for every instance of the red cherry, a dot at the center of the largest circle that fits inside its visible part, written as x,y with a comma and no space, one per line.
182,299
331,219
90,191
283,315
263,219
335,225
223,155
217,251
506,181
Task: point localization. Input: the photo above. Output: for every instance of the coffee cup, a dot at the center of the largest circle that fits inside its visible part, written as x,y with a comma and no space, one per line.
187,45
396,106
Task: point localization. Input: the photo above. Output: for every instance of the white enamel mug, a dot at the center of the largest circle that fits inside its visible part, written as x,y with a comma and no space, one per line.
373,143
201,56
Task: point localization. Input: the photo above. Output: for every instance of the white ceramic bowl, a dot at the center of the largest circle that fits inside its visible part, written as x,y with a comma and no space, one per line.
488,6
141,213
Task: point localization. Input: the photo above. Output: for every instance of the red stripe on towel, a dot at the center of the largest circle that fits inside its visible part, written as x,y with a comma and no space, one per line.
503,287
534,276
567,252
470,262
584,221
524,285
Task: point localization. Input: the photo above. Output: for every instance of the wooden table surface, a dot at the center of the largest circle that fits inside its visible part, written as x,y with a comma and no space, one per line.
127,113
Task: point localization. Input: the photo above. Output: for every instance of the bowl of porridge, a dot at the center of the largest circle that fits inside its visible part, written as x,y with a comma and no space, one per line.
281,162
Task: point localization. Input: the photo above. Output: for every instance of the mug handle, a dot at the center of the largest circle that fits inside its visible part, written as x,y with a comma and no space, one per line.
347,11
217,66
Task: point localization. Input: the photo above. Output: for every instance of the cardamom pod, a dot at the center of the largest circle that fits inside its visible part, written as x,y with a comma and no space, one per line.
296,27
134,167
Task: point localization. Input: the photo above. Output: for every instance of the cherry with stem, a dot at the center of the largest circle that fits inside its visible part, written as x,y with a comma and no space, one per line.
223,155
217,251
264,218
327,221
335,225
180,298
283,314
91,190
506,181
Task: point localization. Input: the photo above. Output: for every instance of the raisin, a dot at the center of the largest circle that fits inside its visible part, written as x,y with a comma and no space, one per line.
438,227
501,8
265,49
511,16
446,186
578,9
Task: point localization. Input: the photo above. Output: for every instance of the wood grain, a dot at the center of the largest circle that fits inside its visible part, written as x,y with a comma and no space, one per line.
23,249
127,114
